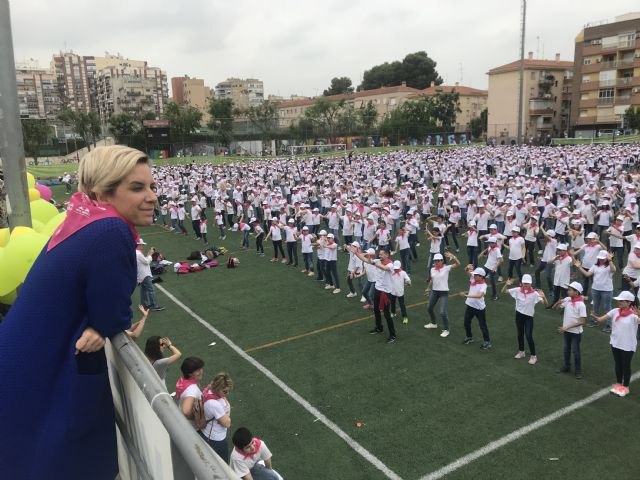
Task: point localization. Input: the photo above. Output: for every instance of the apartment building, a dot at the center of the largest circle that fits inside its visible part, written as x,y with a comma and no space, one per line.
472,102
38,94
192,91
76,80
131,86
385,100
607,75
545,104
244,93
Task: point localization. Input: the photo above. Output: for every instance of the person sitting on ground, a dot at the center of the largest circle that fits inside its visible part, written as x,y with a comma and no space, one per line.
248,456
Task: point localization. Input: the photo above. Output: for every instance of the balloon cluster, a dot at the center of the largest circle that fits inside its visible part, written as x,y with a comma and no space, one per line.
20,247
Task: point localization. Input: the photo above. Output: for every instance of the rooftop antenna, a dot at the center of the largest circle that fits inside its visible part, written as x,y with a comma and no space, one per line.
461,71
538,47
523,23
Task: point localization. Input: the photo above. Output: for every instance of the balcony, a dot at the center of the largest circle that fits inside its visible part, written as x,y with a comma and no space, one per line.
589,86
591,67
624,82
623,100
541,106
586,120
605,102
589,103
607,83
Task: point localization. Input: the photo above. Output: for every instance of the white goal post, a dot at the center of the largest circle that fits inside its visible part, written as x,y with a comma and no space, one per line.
315,149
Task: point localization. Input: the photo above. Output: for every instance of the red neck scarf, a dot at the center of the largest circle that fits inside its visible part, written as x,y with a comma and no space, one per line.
563,255
477,282
526,291
397,272
577,299
182,384
81,212
623,313
246,455
208,394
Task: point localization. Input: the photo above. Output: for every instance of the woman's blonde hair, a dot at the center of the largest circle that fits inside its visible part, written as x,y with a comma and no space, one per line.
221,381
102,170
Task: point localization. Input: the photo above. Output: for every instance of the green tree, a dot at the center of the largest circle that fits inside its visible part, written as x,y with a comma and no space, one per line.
265,118
632,118
123,125
80,123
475,126
368,115
221,123
94,127
348,121
325,114
484,116
417,69
34,134
338,86
183,119
445,108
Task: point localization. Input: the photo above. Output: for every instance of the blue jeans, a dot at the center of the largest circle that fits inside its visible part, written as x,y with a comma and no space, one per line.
260,472
308,261
548,271
147,293
572,343
367,292
433,300
405,259
602,302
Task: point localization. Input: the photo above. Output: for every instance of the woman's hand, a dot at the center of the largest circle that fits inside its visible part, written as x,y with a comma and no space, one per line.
89,341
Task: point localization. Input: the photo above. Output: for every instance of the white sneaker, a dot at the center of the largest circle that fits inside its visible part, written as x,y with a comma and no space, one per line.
500,278
445,333
430,325
337,290
362,299
328,287
520,354
351,295
539,252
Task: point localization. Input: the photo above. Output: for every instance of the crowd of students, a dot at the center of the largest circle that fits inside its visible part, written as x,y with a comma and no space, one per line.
569,213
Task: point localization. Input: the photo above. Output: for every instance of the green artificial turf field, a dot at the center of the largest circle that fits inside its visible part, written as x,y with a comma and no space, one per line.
421,403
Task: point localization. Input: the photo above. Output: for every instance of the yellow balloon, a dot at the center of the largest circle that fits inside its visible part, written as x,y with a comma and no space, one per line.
4,236
43,211
21,253
37,226
9,298
8,280
17,231
52,224
33,194
31,180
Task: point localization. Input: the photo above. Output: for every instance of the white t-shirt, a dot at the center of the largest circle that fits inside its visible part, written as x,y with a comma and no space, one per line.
144,265
562,272
191,391
477,303
623,331
383,280
602,278
525,303
213,410
572,313
276,233
440,279
493,256
515,247
398,280
242,464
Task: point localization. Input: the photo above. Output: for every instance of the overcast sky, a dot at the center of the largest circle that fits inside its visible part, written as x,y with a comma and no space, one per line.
297,46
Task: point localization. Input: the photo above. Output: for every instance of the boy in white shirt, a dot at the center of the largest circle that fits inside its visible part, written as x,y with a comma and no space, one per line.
526,299
575,315
398,280
251,458
476,306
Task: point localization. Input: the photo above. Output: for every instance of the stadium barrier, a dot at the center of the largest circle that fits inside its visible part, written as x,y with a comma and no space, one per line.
155,440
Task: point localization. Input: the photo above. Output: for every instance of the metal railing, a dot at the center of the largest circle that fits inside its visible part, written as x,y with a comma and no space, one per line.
188,447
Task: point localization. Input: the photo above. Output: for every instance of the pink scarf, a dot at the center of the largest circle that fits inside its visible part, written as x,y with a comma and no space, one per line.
526,291
479,282
577,300
81,212
182,384
623,313
250,455
208,394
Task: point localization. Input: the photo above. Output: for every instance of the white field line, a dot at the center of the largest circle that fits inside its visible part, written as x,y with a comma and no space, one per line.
372,459
517,434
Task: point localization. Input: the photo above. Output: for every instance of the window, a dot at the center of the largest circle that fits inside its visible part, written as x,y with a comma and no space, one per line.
533,75
586,78
586,61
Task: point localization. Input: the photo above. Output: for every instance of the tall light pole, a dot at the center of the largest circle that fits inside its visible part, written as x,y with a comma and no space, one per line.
521,92
11,143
